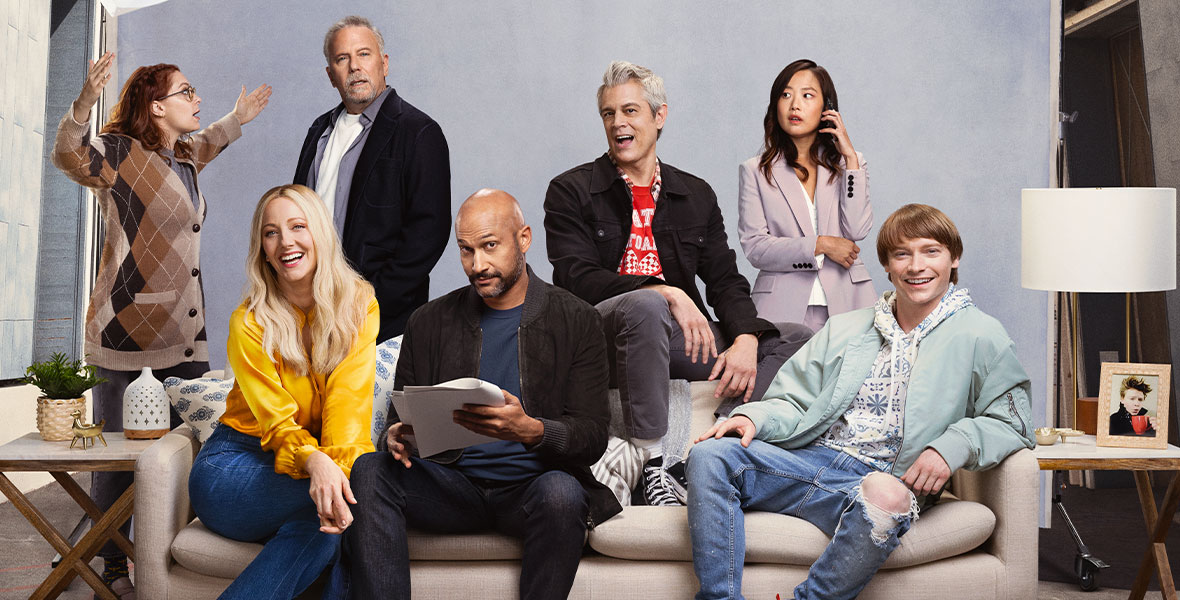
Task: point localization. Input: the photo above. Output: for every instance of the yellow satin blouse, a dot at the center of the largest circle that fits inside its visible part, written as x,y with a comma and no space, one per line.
295,415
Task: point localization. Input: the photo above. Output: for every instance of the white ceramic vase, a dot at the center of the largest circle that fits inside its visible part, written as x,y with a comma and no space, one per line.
145,408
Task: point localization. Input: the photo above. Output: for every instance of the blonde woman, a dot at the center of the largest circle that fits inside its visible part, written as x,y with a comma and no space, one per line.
302,350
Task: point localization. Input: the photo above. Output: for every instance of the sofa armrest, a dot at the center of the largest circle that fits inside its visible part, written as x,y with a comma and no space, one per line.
1011,490
161,507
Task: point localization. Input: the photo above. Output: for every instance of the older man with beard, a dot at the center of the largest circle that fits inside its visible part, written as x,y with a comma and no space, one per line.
383,169
516,331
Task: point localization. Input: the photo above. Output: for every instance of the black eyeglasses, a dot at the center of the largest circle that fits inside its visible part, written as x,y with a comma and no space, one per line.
189,92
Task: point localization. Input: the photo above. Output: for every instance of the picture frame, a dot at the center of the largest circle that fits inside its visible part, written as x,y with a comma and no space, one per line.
1134,387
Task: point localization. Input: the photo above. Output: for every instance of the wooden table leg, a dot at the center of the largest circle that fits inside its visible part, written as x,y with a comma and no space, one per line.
55,538
92,510
1156,556
87,547
1146,498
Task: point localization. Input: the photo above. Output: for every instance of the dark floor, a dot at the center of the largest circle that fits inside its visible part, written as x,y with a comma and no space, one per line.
1111,524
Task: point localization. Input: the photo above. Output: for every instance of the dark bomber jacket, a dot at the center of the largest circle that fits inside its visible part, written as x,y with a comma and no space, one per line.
588,224
563,373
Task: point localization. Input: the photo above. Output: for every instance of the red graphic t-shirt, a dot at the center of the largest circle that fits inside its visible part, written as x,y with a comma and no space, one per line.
641,257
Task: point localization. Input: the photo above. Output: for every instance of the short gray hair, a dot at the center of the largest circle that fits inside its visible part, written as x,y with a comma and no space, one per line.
351,21
621,71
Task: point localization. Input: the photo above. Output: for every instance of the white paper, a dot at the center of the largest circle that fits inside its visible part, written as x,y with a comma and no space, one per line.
429,409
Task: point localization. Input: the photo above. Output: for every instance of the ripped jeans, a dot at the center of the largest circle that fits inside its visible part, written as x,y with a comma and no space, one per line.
814,483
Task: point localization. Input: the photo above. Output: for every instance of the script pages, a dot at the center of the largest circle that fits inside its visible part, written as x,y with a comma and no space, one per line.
429,408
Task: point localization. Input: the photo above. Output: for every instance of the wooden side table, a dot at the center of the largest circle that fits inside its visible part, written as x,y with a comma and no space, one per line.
1081,453
31,453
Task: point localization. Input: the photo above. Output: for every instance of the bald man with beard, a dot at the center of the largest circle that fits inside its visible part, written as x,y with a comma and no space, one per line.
515,331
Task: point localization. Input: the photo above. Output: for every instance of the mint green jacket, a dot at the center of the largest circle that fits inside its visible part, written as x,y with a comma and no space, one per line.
968,396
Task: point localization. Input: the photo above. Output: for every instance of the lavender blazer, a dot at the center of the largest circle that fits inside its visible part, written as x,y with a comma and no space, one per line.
778,239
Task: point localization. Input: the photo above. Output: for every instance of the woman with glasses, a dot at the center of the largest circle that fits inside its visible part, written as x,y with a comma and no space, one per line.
147,308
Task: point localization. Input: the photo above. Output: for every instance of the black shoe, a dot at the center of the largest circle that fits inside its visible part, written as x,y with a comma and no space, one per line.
657,485
678,480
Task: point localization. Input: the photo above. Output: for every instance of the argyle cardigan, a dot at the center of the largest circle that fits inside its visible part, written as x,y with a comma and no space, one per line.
147,308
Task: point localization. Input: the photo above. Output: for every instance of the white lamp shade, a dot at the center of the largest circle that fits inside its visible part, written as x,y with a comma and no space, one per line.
1098,239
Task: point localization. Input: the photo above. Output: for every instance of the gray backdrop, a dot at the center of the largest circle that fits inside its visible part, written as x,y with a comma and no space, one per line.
949,103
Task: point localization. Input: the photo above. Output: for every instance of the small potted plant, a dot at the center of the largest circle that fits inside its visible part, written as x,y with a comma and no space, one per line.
62,383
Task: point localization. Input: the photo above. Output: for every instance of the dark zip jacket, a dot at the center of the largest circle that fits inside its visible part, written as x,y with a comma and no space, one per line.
588,224
563,373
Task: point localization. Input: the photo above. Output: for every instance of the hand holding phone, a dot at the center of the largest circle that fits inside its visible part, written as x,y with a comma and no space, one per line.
825,124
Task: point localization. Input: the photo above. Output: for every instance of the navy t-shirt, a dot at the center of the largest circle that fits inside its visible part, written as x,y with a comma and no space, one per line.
499,365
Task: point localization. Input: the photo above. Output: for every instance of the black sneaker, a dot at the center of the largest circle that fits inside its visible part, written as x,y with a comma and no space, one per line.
678,480
656,485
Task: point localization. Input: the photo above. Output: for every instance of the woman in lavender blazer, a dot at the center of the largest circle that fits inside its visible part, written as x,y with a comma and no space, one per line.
804,203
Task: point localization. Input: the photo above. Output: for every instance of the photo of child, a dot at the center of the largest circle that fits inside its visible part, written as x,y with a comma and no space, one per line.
1136,408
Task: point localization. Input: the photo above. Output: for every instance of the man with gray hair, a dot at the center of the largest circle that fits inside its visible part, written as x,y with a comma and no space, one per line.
383,169
631,234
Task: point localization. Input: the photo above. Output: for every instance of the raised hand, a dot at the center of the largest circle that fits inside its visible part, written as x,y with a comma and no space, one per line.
843,144
98,74
249,105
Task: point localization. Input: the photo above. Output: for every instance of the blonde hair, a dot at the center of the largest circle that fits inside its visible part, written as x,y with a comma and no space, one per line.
340,295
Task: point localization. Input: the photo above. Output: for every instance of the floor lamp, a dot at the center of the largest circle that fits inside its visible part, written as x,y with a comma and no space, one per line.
1098,240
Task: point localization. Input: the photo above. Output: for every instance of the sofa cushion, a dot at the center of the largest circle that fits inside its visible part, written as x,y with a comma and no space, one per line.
200,550
950,528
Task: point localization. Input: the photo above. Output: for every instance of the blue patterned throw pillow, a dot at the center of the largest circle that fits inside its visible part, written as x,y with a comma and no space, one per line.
387,353
199,402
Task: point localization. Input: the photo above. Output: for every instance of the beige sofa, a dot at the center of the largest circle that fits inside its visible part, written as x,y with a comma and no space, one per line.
983,545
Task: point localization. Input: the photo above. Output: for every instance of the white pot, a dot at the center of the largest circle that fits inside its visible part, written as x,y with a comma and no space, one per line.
145,408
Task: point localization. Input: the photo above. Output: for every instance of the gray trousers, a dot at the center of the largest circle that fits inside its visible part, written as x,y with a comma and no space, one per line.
107,486
645,347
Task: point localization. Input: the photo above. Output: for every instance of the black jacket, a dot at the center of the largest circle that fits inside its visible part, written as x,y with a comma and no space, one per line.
563,373
399,206
588,224
1120,422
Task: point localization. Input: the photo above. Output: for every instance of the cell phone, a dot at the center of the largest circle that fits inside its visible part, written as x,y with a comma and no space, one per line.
826,124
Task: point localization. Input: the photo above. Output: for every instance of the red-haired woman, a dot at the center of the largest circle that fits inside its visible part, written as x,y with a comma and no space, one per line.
147,308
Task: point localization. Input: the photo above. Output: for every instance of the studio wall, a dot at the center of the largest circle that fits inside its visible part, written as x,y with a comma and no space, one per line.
949,103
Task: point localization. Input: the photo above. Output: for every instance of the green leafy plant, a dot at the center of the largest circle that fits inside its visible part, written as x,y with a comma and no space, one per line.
60,378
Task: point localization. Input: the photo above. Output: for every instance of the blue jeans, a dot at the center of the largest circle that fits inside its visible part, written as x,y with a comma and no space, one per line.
548,511
236,493
814,483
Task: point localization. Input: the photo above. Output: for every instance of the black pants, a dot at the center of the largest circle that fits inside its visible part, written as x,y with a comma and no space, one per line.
645,347
548,511
107,486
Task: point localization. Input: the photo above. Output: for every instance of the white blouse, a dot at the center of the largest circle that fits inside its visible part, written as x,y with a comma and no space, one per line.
818,297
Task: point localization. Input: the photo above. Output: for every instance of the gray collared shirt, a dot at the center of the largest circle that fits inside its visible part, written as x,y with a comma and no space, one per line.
187,175
348,161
